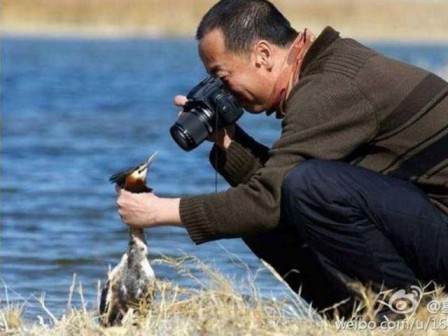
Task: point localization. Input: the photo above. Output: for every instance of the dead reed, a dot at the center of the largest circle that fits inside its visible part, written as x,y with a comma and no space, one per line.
216,307
386,20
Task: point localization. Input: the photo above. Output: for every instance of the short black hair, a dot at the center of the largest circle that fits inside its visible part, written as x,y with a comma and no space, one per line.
242,22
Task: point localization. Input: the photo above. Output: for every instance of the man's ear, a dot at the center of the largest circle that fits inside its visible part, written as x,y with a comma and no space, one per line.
263,54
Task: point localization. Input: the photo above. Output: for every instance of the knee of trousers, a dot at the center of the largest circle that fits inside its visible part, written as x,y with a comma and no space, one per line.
316,184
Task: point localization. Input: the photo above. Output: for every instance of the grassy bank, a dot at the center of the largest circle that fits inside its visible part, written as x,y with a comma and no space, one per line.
373,20
217,308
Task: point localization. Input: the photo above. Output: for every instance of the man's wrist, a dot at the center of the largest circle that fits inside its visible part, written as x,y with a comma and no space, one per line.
225,143
168,212
227,138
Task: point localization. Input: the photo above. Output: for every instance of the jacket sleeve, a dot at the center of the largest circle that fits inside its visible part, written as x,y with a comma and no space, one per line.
327,117
240,160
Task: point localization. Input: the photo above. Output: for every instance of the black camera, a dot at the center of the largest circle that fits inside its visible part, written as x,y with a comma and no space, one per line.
209,106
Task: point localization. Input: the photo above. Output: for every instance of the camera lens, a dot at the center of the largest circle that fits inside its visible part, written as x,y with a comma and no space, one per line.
191,128
182,137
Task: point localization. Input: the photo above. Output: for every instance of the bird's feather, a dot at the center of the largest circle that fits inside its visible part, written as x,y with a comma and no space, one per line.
121,176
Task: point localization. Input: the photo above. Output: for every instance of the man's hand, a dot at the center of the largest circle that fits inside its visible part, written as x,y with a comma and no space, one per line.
180,101
147,210
222,137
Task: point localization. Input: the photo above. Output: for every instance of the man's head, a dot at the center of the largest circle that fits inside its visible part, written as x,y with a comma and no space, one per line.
244,43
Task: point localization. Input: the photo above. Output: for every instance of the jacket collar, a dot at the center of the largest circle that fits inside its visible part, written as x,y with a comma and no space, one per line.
322,42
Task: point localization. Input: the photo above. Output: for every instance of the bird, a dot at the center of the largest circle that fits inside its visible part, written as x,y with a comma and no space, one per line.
130,284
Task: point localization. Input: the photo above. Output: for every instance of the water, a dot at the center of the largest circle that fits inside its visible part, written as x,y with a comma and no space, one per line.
74,111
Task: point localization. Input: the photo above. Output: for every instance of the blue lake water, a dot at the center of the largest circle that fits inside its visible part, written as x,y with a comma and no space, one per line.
74,111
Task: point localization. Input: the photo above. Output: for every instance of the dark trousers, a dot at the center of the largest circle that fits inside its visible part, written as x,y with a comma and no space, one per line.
341,223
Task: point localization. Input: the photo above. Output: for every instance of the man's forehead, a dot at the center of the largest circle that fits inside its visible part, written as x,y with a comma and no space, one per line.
212,50
213,38
212,64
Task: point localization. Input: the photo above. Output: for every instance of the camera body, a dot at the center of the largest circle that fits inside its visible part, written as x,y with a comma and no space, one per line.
209,107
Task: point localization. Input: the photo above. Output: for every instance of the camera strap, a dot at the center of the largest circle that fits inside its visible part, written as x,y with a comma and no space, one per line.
216,153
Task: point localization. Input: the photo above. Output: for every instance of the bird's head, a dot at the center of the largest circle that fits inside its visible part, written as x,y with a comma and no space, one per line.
134,178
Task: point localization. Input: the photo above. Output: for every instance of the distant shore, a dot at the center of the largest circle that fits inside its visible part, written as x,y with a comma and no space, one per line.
386,20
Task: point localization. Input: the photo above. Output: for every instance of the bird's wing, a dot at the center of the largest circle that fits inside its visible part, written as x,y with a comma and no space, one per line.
103,299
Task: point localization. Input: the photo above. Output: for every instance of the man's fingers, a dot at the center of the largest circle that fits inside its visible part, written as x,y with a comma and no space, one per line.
180,100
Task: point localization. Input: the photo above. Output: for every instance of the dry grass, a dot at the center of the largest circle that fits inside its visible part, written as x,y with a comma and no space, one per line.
385,19
216,308
133,17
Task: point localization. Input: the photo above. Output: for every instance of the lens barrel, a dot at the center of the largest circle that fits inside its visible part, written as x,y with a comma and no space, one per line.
191,128
209,106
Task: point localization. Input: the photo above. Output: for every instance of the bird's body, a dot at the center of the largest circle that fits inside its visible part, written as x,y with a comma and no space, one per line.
130,283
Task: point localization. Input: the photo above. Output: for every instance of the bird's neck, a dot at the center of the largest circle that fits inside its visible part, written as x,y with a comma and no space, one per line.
138,233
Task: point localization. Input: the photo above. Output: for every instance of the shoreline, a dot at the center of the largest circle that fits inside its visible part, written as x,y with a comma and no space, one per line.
407,21
116,33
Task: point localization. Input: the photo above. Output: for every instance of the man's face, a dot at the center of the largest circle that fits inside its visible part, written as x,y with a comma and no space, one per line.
250,83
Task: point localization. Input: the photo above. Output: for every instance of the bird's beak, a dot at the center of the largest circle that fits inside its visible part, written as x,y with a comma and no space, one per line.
148,162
